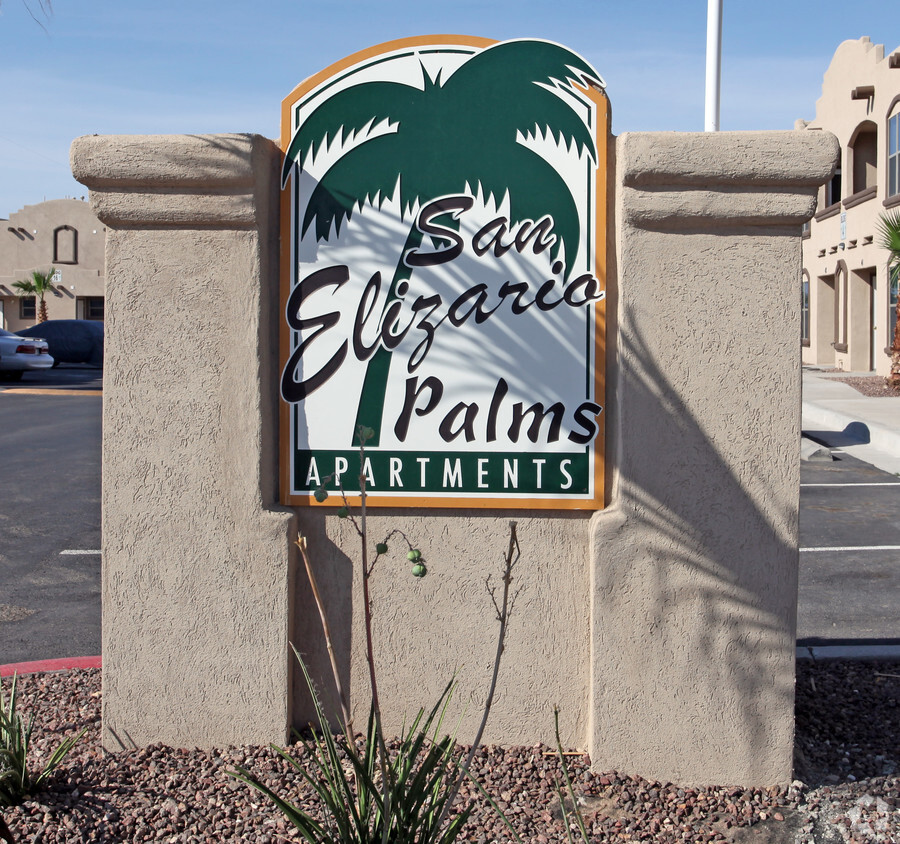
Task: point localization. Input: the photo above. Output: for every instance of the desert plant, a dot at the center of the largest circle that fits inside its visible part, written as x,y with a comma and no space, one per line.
889,238
39,285
569,791
17,781
400,795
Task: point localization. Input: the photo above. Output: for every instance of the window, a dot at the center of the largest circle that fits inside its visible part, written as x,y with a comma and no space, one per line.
804,309
892,304
893,162
27,307
841,307
864,154
93,307
65,245
833,188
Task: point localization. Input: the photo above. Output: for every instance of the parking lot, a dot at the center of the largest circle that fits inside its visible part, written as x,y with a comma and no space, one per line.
50,515
850,552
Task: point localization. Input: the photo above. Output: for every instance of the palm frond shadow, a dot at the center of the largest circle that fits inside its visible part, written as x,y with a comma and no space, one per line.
715,573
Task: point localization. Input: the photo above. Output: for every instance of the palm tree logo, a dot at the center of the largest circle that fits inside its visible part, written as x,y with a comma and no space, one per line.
448,136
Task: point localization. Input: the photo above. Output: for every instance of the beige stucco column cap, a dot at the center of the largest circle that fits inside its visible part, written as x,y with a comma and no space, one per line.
682,180
173,181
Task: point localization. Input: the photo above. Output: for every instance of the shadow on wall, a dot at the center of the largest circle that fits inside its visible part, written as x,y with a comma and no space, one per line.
696,577
470,544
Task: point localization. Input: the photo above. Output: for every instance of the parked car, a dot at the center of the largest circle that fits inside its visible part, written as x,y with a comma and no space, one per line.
18,354
71,340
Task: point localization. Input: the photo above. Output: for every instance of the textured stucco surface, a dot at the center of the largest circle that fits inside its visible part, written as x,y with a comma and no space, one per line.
195,575
663,626
695,564
426,630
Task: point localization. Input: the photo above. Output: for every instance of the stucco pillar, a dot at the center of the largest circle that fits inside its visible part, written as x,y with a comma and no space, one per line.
196,574
695,563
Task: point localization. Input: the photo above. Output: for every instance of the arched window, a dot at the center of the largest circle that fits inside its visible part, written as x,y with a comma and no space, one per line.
65,245
864,157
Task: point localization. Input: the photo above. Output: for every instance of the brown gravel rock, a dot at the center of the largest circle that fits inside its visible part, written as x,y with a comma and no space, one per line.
848,723
872,386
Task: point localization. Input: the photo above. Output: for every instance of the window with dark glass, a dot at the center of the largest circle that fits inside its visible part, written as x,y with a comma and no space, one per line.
27,307
804,310
892,304
93,307
833,189
893,162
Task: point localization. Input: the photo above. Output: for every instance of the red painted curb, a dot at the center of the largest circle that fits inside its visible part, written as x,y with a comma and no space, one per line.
50,665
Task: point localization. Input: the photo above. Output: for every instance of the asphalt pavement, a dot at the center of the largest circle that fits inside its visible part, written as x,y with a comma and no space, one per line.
50,424
849,520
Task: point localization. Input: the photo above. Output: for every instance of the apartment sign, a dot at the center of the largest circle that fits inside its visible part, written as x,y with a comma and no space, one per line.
443,277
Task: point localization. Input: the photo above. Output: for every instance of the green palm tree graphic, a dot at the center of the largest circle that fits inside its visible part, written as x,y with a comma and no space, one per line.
449,137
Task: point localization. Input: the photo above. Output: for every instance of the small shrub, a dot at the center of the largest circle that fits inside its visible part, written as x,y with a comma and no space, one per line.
405,795
16,780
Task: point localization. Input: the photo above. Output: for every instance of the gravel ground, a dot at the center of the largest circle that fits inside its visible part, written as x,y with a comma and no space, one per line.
872,386
848,788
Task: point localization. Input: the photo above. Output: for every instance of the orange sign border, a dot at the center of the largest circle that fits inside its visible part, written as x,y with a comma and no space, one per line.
601,186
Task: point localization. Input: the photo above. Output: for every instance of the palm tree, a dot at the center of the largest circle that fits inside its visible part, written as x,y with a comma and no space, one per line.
889,238
39,285
448,137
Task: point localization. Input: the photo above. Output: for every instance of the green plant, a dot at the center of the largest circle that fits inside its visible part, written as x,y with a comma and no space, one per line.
889,238
357,808
39,285
16,780
569,791
398,795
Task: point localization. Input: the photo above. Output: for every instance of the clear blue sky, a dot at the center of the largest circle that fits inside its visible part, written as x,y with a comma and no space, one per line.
135,66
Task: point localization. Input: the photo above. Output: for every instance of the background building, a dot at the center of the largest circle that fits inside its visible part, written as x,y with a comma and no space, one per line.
849,305
62,234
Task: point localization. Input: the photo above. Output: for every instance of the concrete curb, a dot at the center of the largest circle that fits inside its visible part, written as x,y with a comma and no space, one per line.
815,452
853,653
881,437
64,664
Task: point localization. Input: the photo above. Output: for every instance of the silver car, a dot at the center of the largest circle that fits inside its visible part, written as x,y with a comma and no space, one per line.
18,354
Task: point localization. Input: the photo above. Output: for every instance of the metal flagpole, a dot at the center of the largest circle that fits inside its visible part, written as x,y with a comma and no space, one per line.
713,63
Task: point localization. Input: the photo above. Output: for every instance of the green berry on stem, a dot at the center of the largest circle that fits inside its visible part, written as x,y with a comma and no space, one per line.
381,548
343,513
419,570
320,495
366,433
414,555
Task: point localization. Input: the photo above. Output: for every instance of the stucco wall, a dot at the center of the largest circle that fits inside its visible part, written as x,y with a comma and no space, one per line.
695,564
663,626
196,580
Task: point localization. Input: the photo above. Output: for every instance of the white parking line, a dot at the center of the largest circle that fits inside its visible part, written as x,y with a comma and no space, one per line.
889,483
856,548
72,552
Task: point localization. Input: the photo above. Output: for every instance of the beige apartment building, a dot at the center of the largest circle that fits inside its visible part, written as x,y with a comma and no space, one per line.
849,304
63,235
